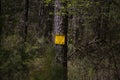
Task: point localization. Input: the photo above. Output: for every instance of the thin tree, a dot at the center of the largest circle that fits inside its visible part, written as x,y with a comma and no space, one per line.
26,19
0,22
0,7
25,73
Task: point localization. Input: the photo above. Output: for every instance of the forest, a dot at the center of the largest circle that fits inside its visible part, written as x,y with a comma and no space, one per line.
59,39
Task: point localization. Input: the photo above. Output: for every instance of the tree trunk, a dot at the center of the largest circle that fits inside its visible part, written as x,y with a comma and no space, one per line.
60,28
26,19
49,23
25,69
41,14
1,23
0,7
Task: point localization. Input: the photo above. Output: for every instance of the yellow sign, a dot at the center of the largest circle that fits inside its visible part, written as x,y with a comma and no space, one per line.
60,39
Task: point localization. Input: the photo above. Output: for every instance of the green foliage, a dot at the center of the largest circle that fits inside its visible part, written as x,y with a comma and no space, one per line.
47,2
94,58
50,70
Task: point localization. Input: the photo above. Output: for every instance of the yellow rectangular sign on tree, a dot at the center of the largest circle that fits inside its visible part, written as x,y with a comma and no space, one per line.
60,39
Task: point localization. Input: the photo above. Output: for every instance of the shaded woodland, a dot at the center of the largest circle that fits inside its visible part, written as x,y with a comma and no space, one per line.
92,40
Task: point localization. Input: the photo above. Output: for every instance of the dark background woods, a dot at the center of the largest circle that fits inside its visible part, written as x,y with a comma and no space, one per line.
26,44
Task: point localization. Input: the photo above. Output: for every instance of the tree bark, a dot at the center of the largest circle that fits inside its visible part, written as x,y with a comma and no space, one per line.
26,19
1,23
0,7
60,28
25,73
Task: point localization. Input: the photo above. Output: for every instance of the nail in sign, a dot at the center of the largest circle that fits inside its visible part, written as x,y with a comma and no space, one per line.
60,39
